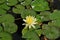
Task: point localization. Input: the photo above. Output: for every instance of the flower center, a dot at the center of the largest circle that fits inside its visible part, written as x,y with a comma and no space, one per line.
29,20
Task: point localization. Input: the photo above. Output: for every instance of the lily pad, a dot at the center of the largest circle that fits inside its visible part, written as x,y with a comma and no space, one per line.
10,27
11,2
40,5
50,32
2,1
7,18
5,36
31,35
4,6
18,9
2,11
28,12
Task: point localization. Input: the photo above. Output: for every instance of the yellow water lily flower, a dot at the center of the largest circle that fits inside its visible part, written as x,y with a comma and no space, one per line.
30,21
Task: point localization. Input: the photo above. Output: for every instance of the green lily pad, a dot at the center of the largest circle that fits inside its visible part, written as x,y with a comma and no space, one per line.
50,32
24,31
40,5
10,27
5,36
7,18
39,32
4,6
56,23
2,1
2,12
55,15
45,15
19,9
31,35
11,2
28,12
38,18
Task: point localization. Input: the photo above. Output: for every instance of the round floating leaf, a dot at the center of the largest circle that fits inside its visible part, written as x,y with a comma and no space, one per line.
50,32
11,2
31,34
7,18
19,9
2,12
28,12
4,6
1,1
45,16
40,5
55,15
10,27
5,36
37,30
56,23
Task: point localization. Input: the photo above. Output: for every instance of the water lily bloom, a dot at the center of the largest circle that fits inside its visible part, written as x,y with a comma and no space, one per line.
30,21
